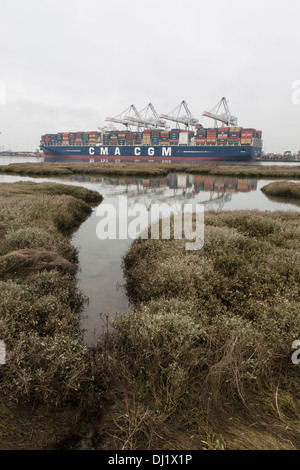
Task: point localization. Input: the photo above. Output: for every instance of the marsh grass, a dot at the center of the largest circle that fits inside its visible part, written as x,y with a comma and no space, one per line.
32,427
206,347
47,366
49,189
283,189
150,169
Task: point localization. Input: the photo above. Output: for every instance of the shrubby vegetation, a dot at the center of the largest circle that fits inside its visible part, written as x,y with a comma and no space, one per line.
282,189
150,169
202,359
47,366
206,347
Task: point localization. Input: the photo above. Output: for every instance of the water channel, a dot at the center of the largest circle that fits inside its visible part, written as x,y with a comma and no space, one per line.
100,274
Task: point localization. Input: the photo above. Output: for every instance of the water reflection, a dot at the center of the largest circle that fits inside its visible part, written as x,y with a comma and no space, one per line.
174,181
210,190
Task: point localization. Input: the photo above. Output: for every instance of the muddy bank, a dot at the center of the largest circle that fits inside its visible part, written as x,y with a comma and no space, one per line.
149,169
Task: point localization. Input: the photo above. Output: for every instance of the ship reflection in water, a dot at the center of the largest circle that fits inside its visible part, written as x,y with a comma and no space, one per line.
211,191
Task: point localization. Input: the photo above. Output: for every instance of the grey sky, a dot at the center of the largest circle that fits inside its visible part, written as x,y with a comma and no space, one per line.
68,64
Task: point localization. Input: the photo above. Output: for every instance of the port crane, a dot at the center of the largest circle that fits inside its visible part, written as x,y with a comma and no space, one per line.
140,119
122,118
154,121
132,117
226,117
188,120
136,119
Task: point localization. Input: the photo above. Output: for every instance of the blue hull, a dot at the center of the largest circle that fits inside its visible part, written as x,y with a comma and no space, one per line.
160,154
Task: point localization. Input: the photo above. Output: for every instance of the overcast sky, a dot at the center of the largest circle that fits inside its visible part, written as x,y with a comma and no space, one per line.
68,64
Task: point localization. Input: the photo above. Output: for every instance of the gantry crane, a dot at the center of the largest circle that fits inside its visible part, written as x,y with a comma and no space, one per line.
225,117
139,120
154,121
174,116
136,119
121,118
132,117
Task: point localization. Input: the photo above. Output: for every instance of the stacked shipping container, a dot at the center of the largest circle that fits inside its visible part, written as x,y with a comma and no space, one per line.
155,137
234,135
183,137
94,137
222,135
211,137
201,136
174,136
164,138
147,137
246,136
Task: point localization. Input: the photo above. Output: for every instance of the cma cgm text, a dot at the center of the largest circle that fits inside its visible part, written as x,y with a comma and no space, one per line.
166,151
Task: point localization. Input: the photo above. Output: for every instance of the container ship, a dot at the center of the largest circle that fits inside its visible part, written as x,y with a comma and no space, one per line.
154,141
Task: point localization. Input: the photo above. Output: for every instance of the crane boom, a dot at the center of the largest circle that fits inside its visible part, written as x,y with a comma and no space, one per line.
153,121
226,117
123,118
140,119
174,116
118,121
135,120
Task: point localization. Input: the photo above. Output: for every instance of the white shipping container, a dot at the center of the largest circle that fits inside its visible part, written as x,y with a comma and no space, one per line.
183,138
